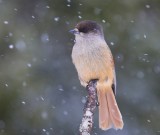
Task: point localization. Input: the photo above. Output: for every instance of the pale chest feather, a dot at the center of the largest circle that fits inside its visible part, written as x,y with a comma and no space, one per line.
92,59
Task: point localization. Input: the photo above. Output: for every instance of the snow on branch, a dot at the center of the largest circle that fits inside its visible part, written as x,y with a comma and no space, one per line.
89,108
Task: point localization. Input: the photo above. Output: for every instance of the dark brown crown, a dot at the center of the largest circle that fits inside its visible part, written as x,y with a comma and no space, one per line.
88,26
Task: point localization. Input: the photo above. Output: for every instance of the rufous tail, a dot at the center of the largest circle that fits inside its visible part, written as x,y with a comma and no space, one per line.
109,113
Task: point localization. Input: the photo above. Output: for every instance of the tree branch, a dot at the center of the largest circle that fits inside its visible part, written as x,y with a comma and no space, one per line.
89,108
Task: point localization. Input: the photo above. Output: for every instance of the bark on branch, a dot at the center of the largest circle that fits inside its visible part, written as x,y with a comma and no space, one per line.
89,108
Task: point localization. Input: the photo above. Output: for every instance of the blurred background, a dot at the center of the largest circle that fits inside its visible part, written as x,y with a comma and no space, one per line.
40,93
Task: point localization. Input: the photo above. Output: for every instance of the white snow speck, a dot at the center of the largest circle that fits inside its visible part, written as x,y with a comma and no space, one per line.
33,16
6,85
42,98
6,22
56,19
10,34
68,0
103,21
80,17
29,64
132,21
145,54
149,121
148,6
11,46
112,43
15,9
23,102
68,5
80,4
144,36
60,89
47,6
44,130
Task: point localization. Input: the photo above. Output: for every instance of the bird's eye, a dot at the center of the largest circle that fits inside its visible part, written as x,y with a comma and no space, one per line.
83,30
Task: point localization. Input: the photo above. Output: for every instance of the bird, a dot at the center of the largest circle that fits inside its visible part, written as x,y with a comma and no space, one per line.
93,60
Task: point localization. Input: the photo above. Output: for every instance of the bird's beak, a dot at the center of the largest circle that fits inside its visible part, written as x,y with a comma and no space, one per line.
74,31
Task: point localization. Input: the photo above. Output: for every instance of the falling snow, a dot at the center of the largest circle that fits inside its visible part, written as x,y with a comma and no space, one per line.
147,6
149,121
80,17
6,22
23,102
112,43
103,21
47,7
33,16
39,82
11,46
10,34
42,98
56,19
29,64
44,130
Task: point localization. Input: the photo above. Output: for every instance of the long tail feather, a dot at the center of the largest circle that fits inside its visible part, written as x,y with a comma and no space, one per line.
109,114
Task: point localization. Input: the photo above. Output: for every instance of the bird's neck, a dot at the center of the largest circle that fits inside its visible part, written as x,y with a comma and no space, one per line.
89,39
